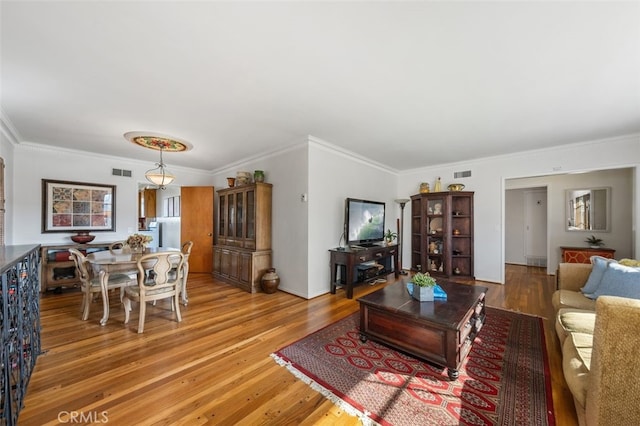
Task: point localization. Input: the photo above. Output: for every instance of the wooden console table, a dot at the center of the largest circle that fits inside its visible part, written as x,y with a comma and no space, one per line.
348,259
583,254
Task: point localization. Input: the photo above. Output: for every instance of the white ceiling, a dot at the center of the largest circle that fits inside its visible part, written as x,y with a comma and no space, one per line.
406,84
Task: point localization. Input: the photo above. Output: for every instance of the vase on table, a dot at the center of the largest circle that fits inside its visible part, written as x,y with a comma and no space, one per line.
423,294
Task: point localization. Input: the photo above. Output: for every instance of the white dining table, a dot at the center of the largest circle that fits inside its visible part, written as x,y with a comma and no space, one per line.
106,262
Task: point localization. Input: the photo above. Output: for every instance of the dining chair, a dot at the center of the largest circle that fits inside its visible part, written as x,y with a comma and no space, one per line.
90,284
162,284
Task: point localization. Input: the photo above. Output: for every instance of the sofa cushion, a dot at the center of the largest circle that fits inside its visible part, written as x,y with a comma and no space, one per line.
570,320
595,277
571,299
619,280
576,362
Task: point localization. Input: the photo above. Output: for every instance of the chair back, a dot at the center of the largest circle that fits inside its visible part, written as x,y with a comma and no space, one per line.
161,264
116,245
81,265
186,248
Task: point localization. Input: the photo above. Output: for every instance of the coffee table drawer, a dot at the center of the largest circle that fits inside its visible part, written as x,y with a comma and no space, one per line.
407,334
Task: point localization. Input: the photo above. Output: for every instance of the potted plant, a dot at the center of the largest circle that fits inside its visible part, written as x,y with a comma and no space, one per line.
423,285
594,242
389,236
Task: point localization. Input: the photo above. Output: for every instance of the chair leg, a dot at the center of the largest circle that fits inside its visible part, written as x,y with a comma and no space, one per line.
143,311
185,300
127,308
86,303
176,302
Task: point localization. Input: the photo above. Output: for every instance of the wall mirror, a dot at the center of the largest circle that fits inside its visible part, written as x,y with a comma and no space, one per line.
588,209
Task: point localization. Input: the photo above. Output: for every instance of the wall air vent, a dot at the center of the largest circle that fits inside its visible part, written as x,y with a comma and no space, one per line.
458,175
121,172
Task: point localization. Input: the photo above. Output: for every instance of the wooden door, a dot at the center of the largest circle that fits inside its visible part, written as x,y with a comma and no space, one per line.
196,224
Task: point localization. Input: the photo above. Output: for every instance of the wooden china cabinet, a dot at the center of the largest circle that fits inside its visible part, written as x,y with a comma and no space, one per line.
442,233
243,250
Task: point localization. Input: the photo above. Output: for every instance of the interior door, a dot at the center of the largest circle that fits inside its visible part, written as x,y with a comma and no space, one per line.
197,225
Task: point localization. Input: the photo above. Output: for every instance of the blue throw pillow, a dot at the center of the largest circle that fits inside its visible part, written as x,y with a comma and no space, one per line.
597,271
619,280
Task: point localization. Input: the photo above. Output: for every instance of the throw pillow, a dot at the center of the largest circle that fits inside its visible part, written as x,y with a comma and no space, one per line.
619,280
629,262
597,271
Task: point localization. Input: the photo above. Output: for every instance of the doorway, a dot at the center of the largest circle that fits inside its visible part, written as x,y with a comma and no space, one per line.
526,226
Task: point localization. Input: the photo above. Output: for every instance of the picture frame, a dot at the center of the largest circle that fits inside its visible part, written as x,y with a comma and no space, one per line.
77,206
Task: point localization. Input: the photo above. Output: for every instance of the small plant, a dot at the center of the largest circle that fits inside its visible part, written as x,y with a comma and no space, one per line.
423,280
390,236
594,242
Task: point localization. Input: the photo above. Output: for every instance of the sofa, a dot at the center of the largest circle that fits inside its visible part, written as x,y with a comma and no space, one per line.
600,343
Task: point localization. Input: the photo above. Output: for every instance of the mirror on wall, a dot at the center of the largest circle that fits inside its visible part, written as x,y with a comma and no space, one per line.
588,209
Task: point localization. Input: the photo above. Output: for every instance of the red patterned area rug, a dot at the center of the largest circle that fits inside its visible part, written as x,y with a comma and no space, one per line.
504,381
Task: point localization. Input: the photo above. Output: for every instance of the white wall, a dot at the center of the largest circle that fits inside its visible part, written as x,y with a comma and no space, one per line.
287,171
7,153
488,181
34,163
514,226
620,235
335,175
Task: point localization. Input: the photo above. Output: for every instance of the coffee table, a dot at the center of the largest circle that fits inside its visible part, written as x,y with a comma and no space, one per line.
440,332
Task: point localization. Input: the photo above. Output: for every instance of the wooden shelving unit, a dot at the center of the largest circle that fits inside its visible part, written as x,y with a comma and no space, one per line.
442,233
242,254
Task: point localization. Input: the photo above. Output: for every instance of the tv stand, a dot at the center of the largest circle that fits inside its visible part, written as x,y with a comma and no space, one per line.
347,261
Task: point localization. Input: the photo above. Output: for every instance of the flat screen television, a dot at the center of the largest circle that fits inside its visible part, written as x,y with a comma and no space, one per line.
364,222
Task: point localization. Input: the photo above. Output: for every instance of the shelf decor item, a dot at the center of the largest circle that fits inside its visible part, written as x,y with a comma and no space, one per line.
231,181
455,187
258,176
77,206
424,187
438,185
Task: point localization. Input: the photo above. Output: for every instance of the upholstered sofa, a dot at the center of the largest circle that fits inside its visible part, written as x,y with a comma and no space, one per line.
600,342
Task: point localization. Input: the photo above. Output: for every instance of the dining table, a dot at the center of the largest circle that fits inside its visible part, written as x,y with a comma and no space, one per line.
122,261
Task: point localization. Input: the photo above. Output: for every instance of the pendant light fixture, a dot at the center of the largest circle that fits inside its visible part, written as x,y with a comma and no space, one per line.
160,175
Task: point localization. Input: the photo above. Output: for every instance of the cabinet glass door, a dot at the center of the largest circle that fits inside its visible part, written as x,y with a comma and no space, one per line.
222,209
251,214
231,214
239,214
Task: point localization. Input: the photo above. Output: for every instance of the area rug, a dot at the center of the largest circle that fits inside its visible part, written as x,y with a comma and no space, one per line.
504,381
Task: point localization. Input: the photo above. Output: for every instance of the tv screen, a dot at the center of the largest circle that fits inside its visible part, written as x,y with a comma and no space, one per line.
364,221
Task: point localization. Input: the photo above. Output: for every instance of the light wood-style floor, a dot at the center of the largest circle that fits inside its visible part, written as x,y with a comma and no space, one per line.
215,367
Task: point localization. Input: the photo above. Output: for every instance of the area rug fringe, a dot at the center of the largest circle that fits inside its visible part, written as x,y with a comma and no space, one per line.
343,405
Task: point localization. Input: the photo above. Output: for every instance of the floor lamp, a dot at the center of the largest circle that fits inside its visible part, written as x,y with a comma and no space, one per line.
402,202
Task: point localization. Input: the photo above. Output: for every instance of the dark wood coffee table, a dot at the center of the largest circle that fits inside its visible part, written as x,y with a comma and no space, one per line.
440,332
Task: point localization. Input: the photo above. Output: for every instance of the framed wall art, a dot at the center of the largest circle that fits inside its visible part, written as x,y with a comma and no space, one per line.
77,206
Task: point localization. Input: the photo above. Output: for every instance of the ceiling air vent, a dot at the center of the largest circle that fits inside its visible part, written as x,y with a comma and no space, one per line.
458,175
121,172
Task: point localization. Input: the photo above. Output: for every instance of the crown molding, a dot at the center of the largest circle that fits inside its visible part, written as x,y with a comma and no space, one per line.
8,129
49,148
317,142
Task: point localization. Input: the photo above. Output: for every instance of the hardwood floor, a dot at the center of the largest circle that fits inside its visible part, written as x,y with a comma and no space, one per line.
215,367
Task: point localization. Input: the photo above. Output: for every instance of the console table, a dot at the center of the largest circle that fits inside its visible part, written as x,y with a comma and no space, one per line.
583,254
347,260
